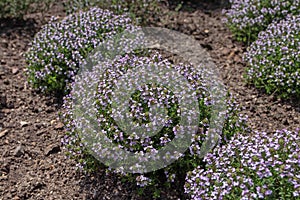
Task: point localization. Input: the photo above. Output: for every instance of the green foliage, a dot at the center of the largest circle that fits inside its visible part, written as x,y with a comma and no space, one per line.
59,50
174,173
256,166
274,57
19,8
139,10
246,18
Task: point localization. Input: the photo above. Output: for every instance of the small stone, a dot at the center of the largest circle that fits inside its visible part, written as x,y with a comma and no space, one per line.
52,149
206,31
23,123
3,133
231,55
155,46
2,62
237,59
187,21
225,51
192,27
40,132
3,177
15,70
59,125
18,151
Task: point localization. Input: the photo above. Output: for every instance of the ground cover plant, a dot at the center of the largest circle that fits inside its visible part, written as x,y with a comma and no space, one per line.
258,166
274,58
246,18
19,8
33,161
140,101
138,10
59,49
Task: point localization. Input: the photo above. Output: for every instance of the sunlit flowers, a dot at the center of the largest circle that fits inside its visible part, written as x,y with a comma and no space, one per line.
274,58
257,166
59,49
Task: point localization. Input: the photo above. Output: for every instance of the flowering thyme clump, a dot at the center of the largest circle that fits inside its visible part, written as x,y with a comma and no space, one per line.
144,96
138,9
59,49
259,166
246,18
274,59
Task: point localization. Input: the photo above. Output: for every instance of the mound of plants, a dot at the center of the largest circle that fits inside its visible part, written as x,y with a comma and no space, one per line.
246,18
142,98
274,58
260,166
19,8
59,49
139,10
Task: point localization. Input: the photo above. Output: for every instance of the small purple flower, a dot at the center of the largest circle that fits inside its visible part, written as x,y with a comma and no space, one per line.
274,57
236,171
58,51
246,18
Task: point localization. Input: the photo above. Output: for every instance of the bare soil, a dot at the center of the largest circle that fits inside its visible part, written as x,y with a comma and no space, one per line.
32,161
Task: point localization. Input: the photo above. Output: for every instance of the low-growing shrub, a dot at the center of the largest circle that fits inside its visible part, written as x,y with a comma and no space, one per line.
274,59
139,10
246,18
59,49
19,8
260,166
140,100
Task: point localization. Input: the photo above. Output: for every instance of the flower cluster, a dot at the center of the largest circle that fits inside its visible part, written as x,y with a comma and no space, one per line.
274,58
258,166
246,18
59,49
138,9
127,135
142,99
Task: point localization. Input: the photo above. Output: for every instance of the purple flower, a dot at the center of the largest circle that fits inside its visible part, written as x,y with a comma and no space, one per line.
246,170
139,110
274,57
246,18
59,49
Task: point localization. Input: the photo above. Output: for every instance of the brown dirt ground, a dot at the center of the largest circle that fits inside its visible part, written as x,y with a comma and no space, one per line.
32,161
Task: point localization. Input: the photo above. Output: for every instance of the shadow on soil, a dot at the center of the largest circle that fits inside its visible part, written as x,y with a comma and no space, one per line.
10,26
193,5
